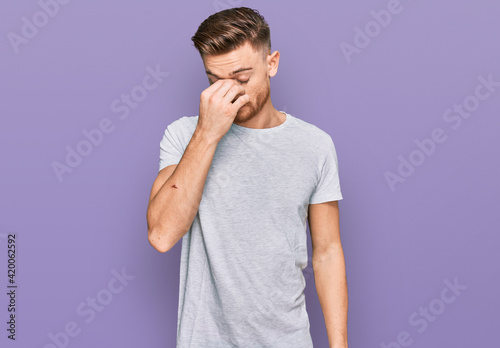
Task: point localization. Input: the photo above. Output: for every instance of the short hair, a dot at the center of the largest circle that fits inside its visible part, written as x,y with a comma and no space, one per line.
229,29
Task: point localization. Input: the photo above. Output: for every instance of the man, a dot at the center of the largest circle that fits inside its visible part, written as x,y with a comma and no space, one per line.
237,184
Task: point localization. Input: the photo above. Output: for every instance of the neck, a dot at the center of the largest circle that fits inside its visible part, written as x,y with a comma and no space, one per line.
267,117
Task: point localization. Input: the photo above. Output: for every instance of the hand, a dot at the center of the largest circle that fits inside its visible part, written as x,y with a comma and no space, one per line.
219,105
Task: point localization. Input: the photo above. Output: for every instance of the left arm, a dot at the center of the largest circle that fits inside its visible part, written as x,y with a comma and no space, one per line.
329,270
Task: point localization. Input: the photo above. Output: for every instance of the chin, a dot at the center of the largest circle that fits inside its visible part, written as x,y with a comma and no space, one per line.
244,114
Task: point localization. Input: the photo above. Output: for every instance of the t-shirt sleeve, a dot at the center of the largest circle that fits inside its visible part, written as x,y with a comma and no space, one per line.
328,186
171,149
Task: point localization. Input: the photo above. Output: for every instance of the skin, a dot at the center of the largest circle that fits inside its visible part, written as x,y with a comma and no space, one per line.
329,270
243,98
259,111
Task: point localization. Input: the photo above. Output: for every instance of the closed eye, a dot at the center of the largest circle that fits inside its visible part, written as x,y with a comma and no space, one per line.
242,82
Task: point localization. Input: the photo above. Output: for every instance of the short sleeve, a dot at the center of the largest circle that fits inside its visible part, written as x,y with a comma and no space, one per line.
328,187
171,149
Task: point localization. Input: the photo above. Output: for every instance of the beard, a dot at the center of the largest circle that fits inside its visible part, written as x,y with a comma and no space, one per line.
251,108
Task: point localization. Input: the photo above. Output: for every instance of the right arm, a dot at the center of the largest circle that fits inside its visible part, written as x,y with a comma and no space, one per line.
177,191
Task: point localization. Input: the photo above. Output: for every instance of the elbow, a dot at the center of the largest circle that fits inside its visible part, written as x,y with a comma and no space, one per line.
158,240
157,235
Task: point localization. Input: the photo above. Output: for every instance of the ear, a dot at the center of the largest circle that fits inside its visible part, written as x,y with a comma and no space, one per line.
273,61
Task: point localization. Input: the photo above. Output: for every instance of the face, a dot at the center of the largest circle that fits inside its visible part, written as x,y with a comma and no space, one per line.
248,68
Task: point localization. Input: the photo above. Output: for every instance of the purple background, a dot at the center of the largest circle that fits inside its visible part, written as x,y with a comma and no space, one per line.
401,245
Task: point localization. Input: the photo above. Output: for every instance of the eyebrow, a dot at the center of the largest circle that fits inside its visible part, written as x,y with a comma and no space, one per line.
233,73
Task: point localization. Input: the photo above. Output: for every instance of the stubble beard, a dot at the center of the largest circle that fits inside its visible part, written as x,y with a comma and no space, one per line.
250,110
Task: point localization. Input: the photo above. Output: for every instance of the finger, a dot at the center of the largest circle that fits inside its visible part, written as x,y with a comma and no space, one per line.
233,92
224,89
242,100
213,88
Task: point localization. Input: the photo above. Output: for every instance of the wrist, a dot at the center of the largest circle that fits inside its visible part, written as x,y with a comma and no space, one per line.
205,137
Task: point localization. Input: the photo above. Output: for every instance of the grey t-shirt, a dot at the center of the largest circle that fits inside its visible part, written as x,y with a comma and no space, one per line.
241,280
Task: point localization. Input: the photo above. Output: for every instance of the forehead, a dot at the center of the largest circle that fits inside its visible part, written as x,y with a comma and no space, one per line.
225,64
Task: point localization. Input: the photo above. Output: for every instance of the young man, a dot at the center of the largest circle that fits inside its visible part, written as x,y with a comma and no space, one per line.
237,183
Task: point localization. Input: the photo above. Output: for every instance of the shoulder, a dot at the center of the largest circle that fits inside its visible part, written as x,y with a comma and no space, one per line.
311,134
184,122
182,127
179,132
